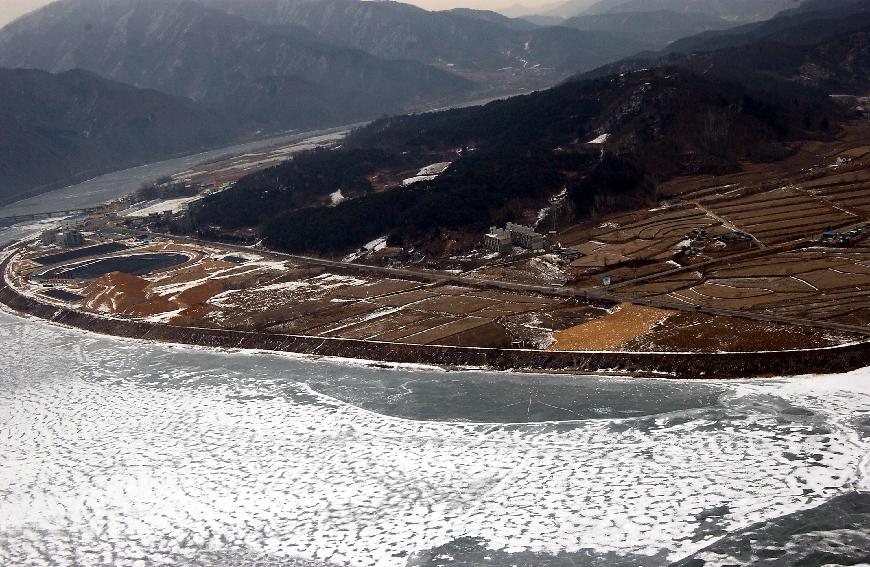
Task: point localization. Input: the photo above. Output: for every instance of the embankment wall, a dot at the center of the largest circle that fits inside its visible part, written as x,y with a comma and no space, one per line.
674,365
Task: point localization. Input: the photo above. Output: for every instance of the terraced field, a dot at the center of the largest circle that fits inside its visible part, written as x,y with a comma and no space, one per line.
815,284
849,191
787,273
781,215
638,243
773,205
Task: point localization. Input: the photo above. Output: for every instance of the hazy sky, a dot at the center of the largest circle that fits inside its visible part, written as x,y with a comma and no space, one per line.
11,9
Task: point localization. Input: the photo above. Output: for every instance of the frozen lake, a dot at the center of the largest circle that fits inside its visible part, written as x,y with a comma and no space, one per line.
117,452
121,453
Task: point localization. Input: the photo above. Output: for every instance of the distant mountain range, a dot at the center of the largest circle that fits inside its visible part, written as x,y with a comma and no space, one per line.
733,10
183,48
242,68
458,40
823,45
74,125
811,22
672,113
264,66
655,29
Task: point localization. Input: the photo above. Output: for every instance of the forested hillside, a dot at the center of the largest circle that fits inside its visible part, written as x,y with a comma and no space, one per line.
821,47
510,156
67,127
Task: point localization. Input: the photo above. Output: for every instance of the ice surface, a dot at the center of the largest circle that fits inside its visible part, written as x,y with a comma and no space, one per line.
116,452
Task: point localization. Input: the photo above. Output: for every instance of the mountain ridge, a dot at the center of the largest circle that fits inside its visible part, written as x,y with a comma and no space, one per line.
183,48
656,28
822,49
461,39
735,10
57,129
511,156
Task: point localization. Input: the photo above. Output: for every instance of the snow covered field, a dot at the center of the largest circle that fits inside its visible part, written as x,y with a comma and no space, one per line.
428,173
122,453
171,205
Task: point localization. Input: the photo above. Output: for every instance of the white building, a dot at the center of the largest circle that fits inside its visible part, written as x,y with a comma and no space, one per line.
502,240
525,237
498,240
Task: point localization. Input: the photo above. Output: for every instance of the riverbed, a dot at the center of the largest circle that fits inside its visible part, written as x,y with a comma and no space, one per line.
114,185
117,184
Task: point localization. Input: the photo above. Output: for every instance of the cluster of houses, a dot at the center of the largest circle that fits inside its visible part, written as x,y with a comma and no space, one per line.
698,240
736,239
503,240
847,238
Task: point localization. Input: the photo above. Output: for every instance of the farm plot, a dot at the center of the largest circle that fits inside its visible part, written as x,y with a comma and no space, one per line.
253,293
815,284
624,324
665,223
641,243
822,186
781,215
849,190
535,271
257,294
448,315
697,332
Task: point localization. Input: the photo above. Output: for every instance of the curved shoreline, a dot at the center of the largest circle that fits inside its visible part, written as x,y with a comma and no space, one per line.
661,365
